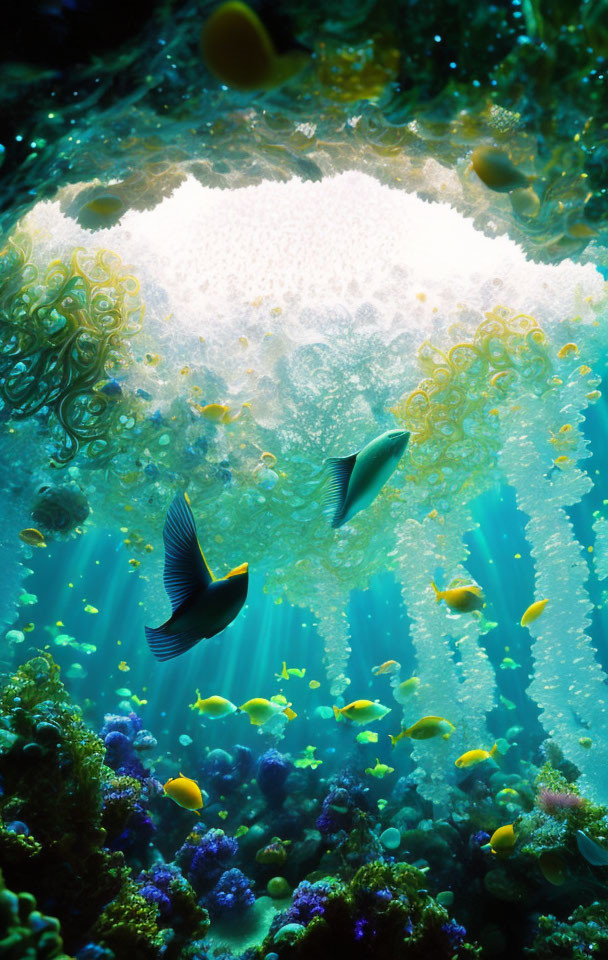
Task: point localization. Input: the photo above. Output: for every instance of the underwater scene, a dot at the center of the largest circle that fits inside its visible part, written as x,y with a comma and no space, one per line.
303,513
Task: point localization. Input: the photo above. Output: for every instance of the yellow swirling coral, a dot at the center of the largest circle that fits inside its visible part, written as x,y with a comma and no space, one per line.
452,415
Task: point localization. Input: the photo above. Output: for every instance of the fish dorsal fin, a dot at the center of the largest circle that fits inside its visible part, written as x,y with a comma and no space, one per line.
186,569
340,471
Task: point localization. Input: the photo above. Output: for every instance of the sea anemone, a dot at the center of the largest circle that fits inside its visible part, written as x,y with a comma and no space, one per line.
558,802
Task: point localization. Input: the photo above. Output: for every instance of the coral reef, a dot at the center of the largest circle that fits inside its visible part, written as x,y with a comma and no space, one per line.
385,911
24,931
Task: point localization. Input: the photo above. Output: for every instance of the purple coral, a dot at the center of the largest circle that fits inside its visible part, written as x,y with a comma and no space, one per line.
157,886
119,735
346,796
455,933
272,772
309,901
232,894
556,802
205,856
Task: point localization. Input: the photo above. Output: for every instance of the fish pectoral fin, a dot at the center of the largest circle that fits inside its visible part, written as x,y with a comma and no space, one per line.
186,569
340,471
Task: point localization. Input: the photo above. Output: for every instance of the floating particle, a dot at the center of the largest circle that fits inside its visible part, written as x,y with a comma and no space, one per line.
29,627
15,636
123,666
90,609
185,740
123,692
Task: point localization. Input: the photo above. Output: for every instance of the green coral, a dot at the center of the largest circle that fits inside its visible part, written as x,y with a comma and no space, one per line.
583,934
25,934
385,912
128,926
52,776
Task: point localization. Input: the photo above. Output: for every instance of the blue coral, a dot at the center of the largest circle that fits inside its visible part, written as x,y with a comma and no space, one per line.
309,900
205,856
273,770
232,895
346,797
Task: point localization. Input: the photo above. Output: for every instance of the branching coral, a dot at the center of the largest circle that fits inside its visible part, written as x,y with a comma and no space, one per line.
62,334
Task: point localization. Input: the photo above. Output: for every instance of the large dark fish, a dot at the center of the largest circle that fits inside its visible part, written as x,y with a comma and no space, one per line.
202,606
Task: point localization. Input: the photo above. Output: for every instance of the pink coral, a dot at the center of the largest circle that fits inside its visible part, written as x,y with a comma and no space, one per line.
555,802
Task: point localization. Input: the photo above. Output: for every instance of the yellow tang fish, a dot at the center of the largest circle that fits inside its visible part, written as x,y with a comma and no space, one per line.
386,668
502,841
533,612
380,771
472,757
428,727
260,710
406,689
362,711
287,672
185,792
213,707
462,599
32,537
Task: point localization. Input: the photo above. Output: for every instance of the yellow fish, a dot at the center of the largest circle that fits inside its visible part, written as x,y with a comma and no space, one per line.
380,771
185,792
362,711
236,47
213,707
461,599
508,795
406,689
367,736
220,413
32,537
386,668
397,737
472,757
508,663
124,666
314,684
428,727
288,672
260,710
502,841
533,612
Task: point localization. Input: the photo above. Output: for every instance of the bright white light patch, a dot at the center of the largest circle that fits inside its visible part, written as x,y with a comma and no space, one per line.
207,255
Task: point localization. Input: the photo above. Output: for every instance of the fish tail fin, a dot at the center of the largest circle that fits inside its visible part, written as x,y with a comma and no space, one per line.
290,714
165,642
494,751
196,813
337,713
392,739
437,592
340,471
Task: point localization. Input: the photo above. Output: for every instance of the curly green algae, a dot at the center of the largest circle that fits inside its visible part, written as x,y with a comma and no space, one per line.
63,333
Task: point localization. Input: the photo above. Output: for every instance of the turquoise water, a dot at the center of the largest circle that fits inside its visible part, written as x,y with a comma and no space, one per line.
210,283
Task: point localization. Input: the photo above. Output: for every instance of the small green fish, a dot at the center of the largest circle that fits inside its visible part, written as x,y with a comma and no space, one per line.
357,480
381,770
307,759
367,736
